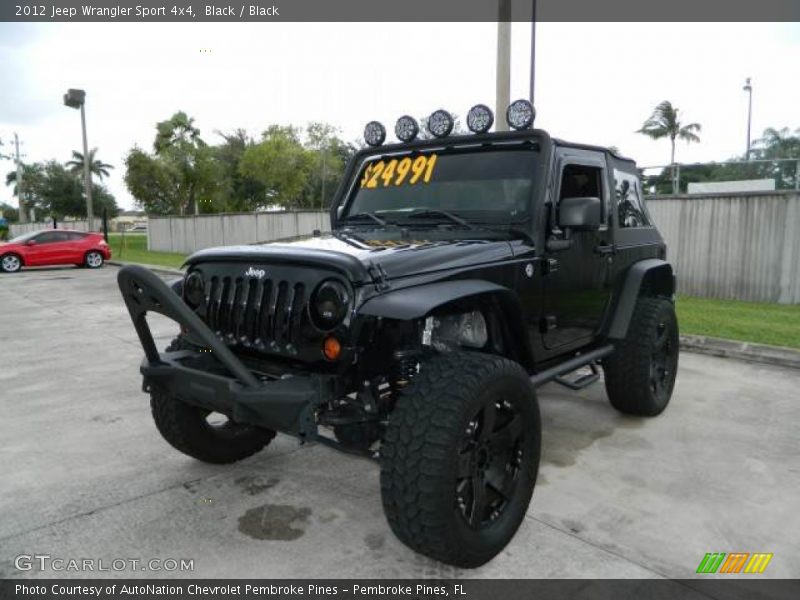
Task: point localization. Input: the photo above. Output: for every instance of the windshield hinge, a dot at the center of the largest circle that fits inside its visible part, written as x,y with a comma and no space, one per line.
379,276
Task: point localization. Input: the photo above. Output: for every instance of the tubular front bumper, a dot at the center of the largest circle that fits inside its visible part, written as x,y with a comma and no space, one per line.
217,380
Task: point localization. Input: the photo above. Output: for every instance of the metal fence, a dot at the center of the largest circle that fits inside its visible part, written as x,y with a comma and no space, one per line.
192,233
783,173
743,246
16,229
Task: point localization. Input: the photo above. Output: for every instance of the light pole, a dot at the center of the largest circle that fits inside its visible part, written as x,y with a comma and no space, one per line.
23,210
77,99
503,83
749,89
533,52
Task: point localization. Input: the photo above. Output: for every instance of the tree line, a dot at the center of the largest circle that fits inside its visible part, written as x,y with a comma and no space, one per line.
56,189
773,145
286,166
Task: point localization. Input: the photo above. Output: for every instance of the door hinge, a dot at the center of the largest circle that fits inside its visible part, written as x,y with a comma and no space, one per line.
548,323
550,265
379,276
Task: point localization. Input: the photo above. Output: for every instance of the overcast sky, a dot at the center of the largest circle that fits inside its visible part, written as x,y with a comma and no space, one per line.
596,82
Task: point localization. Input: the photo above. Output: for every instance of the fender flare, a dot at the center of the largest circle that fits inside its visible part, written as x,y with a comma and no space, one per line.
653,274
415,302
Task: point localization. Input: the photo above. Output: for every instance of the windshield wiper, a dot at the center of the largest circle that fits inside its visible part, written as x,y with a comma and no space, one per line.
365,215
433,212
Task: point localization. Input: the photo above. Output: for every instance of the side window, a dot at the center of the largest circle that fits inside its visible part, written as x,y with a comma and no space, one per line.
581,181
49,237
630,204
74,237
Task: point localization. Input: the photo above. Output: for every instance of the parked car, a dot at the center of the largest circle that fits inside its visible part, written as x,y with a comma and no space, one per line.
54,247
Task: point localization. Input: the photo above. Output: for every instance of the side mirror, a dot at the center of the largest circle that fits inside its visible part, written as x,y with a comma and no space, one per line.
339,211
30,243
579,214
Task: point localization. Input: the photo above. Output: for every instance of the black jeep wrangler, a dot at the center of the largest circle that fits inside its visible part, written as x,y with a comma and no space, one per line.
460,273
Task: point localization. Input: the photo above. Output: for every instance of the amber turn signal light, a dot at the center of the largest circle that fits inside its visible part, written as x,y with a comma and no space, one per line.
331,348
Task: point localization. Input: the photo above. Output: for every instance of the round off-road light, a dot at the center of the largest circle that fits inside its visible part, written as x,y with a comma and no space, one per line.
194,289
406,128
374,133
440,123
520,114
329,304
480,119
331,348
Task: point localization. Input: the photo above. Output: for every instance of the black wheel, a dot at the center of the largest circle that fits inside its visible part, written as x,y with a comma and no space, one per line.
10,263
93,259
201,434
640,374
460,457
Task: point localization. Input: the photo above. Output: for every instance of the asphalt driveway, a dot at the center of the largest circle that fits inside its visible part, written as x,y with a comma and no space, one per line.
84,474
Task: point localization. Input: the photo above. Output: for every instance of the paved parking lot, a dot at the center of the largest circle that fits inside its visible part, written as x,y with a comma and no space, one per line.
85,474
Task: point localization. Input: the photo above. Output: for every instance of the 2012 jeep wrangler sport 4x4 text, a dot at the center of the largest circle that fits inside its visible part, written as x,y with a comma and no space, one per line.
461,272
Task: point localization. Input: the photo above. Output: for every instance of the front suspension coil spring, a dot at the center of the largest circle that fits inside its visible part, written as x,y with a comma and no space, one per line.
406,366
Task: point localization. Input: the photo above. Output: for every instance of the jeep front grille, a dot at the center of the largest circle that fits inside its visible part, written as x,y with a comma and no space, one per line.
255,312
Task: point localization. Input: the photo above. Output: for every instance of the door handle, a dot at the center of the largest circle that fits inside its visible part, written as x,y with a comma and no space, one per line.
604,250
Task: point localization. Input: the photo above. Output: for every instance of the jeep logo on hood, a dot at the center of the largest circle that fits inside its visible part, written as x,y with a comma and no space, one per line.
253,272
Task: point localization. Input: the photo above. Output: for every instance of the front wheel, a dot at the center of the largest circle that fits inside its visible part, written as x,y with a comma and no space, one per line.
460,457
93,259
10,263
640,374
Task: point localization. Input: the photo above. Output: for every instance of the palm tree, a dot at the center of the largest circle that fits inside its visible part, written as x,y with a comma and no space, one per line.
664,123
96,167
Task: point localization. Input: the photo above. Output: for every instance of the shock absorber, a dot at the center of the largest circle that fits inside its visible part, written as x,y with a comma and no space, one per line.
406,366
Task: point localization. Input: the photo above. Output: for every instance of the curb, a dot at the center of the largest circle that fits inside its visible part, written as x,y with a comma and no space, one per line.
760,353
155,268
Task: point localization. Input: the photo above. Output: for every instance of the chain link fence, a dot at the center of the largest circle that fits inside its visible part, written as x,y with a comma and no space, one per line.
759,175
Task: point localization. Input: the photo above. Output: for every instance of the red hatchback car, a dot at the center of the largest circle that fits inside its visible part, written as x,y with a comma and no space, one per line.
54,247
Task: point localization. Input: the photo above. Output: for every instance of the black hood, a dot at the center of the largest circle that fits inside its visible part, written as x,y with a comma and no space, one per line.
356,257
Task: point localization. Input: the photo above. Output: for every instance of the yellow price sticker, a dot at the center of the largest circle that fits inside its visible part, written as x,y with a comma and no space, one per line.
397,172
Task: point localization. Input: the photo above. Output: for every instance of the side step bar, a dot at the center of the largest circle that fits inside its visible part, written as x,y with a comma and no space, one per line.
581,382
573,363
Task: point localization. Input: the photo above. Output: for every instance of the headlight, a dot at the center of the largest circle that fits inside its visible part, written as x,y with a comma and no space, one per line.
480,119
440,123
520,114
194,289
329,304
374,133
406,128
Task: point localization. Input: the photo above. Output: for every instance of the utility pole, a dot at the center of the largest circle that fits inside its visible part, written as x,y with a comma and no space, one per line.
23,213
533,52
503,84
748,87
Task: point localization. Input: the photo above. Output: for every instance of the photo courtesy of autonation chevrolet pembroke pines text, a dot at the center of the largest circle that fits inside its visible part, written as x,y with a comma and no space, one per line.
431,299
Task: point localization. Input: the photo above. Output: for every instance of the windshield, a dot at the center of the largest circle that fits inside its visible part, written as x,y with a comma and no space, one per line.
477,185
23,238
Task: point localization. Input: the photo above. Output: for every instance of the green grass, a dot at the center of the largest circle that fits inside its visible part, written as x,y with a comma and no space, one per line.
773,324
135,250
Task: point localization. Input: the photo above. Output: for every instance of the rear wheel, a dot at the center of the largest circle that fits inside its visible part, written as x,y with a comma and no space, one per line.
460,457
93,259
205,435
640,374
10,263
